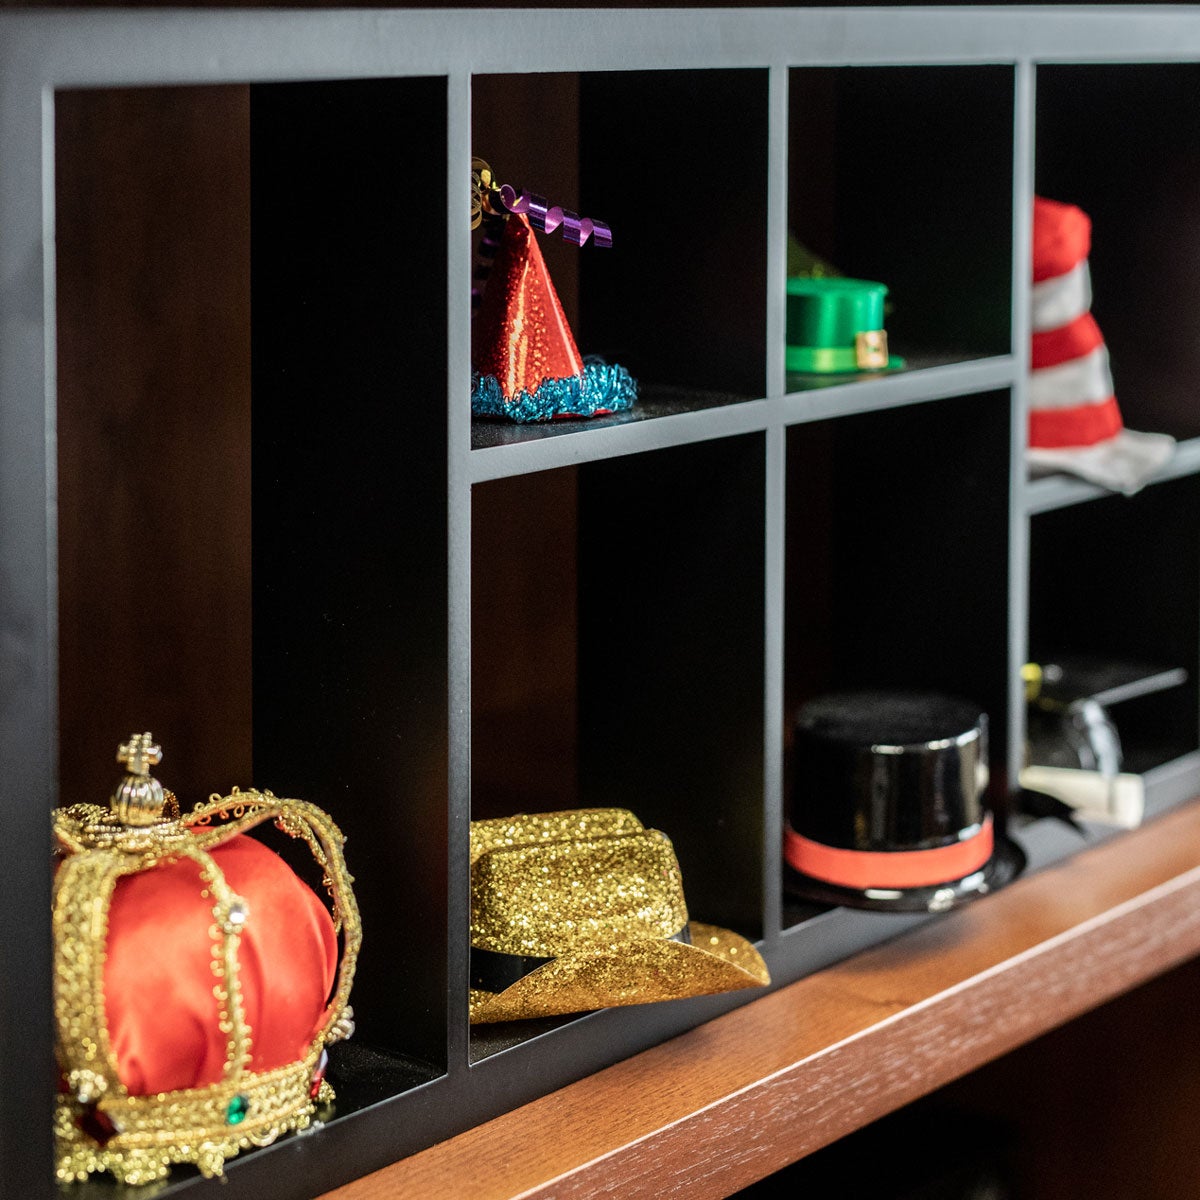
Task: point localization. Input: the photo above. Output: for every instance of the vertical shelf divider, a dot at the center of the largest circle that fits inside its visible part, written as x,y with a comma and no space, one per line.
773,663
775,500
458,425
777,221
28,621
1018,545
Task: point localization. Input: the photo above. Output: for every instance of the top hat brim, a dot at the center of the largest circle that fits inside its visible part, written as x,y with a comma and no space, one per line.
637,972
1124,463
1007,861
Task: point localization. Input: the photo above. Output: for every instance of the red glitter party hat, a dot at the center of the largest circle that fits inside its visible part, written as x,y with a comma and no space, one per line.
521,333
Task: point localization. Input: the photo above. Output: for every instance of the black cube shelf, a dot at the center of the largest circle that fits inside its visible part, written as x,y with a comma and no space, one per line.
241,499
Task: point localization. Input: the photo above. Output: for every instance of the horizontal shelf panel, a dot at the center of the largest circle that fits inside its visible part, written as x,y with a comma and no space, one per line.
364,1076
654,402
926,378
1059,491
1169,785
670,417
792,1066
665,418
103,47
815,937
487,1040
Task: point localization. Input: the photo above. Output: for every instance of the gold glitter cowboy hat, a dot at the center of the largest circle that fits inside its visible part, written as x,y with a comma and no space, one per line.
584,909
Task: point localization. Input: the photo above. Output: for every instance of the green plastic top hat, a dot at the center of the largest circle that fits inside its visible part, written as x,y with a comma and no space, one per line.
836,324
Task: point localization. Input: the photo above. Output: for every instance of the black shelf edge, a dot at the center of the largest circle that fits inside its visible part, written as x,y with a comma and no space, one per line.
926,377
665,417
675,417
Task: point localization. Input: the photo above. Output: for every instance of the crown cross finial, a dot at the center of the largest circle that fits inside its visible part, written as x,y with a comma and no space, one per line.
139,797
139,754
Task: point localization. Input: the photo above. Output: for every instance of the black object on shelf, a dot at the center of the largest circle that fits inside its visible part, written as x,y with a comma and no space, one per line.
888,808
1069,723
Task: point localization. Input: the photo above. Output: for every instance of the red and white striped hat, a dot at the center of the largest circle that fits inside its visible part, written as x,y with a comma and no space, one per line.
1074,422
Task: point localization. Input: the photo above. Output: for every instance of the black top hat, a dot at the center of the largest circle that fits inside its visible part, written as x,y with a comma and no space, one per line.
888,807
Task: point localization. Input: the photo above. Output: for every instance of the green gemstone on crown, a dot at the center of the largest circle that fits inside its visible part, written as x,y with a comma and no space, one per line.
235,1112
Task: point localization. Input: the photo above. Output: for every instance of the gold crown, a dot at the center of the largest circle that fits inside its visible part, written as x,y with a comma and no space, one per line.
99,1125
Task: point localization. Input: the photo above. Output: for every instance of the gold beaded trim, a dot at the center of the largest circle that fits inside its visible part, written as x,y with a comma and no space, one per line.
188,1126
206,1125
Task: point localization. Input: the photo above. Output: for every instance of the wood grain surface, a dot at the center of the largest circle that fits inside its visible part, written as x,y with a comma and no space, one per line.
737,1099
153,424
1107,1105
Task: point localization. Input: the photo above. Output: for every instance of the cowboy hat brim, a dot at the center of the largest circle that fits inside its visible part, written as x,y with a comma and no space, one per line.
638,972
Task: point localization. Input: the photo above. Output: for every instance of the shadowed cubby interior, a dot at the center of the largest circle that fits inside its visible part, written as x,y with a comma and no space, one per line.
903,175
525,644
897,560
1115,580
675,162
1122,141
617,624
350,658
252,526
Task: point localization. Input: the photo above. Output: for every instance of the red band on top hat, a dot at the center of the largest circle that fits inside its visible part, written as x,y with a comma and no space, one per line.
521,335
158,981
861,869
1082,425
1062,237
1053,347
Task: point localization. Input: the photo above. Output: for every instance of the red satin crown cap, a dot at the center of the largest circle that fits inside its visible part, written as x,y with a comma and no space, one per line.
521,334
158,979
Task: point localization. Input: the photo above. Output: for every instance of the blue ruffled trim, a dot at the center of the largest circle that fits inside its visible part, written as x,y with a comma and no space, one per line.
601,386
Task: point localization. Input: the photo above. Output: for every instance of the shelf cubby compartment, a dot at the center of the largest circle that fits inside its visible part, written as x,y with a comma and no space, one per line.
676,163
897,556
252,514
858,137
1116,581
617,623
1122,141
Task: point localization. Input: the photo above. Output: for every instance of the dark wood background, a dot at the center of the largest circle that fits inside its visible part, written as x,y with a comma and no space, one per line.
153,190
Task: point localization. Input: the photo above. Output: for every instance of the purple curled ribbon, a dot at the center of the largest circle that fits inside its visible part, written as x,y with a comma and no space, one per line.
546,219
